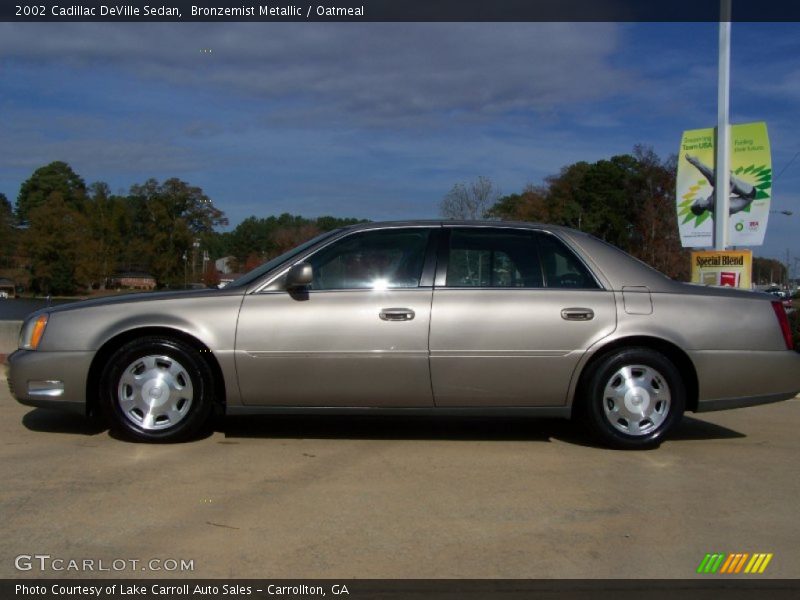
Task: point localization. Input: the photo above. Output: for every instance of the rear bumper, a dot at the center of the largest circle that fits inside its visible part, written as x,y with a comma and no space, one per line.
50,379
728,403
735,379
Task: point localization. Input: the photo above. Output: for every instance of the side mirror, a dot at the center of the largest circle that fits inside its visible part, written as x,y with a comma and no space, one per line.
299,276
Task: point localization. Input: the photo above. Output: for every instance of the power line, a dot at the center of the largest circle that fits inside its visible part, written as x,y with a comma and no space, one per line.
796,154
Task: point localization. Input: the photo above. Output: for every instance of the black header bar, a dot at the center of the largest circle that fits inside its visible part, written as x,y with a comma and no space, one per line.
394,10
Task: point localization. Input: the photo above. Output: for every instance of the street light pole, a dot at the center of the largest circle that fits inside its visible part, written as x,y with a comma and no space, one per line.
195,250
722,175
185,270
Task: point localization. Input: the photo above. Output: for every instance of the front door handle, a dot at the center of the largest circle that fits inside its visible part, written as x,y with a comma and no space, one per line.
577,314
396,314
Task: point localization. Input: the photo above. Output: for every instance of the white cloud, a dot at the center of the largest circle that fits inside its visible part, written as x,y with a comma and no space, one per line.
373,73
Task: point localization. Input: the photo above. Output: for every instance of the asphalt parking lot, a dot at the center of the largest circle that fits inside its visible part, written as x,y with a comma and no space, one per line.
401,498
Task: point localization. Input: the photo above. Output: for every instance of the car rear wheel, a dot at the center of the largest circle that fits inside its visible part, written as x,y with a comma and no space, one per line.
157,389
633,398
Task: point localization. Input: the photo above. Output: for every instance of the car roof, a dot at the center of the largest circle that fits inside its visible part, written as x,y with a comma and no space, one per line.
457,223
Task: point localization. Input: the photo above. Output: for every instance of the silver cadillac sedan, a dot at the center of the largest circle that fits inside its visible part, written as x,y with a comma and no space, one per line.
460,318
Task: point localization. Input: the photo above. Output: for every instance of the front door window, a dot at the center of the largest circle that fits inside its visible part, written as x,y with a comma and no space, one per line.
386,259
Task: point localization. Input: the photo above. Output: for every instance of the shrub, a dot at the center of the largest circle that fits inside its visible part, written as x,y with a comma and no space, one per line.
794,324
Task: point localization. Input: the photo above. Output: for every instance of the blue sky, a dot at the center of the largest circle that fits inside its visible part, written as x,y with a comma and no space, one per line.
379,120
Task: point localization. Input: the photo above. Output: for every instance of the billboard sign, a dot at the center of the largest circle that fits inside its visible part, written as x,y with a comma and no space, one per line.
751,186
731,268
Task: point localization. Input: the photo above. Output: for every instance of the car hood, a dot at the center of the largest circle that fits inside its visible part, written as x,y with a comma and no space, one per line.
139,297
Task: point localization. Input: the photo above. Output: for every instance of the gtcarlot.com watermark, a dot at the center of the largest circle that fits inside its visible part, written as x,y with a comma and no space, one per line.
46,562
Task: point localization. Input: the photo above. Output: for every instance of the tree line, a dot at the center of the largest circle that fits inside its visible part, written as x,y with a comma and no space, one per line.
767,271
627,200
64,235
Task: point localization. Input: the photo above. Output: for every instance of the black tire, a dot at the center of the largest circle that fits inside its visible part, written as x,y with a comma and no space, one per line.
157,389
611,402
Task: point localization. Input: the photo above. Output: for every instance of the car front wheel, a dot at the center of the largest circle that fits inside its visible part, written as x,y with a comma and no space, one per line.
633,398
157,389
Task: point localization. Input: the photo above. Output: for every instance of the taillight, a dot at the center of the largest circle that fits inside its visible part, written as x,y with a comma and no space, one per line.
783,320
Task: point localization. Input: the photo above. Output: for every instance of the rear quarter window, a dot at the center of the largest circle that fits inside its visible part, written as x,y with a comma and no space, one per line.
561,268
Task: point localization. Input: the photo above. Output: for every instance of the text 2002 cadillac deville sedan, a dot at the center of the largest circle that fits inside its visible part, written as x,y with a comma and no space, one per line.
438,317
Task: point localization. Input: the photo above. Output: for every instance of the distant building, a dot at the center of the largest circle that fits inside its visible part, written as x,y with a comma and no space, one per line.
223,265
7,288
134,280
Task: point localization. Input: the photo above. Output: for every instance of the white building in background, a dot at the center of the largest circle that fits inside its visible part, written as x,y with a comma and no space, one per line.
223,265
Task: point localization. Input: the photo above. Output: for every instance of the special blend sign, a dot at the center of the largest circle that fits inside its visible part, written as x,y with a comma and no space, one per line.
732,268
750,185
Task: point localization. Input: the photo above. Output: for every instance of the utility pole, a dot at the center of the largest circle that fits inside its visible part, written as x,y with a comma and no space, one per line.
788,265
723,142
195,252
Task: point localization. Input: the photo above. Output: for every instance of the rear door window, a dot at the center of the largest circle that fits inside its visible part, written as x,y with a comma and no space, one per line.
513,258
493,258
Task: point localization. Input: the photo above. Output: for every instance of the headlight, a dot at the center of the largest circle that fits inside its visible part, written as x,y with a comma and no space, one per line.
32,332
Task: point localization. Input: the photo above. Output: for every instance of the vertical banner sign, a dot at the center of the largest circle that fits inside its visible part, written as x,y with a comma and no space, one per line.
751,186
732,268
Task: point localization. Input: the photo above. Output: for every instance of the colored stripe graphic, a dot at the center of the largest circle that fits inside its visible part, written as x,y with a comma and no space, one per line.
702,567
729,563
734,562
758,563
741,563
717,563
710,563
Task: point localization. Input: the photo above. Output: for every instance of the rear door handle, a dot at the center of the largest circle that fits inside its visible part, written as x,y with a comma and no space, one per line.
577,314
396,314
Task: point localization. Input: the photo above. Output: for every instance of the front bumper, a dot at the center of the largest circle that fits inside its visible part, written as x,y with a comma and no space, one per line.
50,379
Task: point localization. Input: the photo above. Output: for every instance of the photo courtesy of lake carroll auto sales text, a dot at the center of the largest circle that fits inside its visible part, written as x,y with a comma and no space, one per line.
179,590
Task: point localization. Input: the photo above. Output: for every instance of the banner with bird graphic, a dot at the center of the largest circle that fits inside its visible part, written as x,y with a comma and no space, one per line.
750,186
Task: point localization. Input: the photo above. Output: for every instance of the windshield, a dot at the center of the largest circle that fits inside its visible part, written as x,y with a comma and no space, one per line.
251,276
